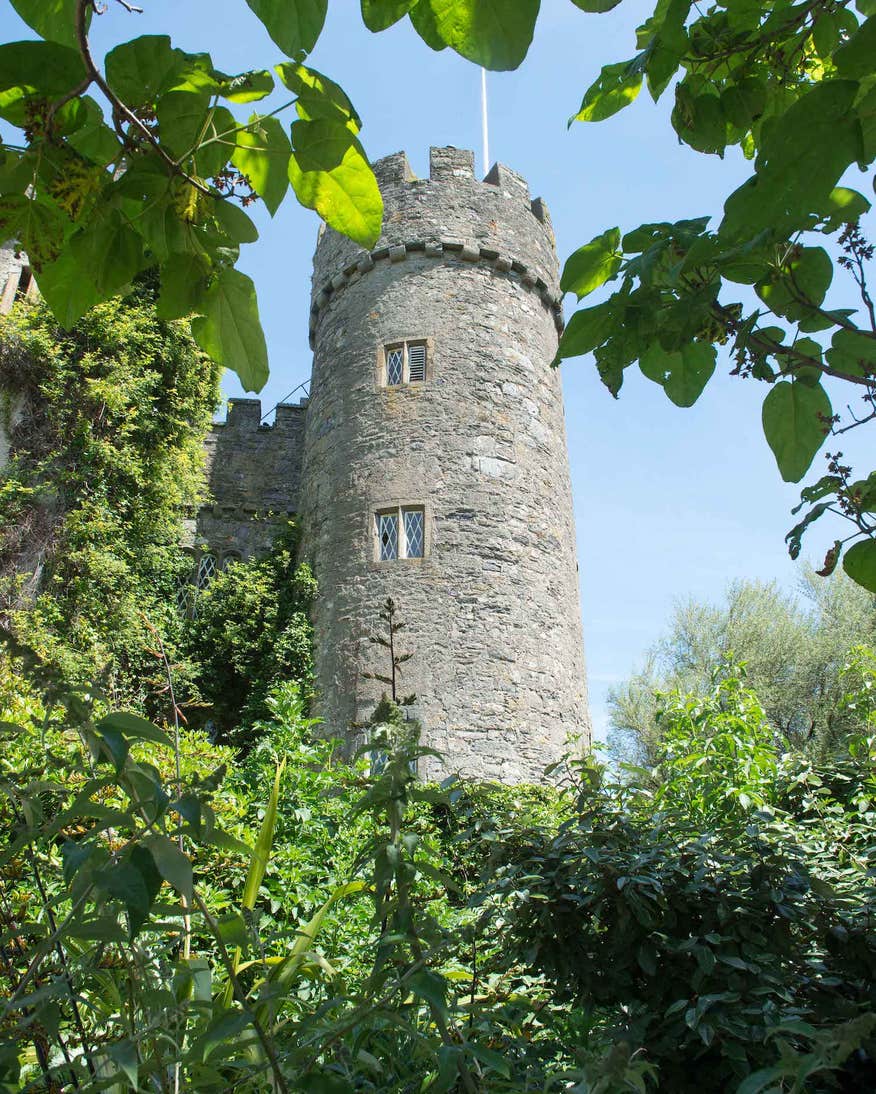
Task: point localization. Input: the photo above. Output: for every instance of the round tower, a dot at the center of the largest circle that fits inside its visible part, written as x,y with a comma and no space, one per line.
436,472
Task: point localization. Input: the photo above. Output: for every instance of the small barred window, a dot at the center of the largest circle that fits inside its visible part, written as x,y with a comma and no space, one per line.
401,533
404,363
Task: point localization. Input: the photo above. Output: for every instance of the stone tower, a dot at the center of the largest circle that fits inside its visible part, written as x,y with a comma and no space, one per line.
436,472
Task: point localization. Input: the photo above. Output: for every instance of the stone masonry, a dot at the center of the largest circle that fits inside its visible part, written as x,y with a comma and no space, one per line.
467,271
492,609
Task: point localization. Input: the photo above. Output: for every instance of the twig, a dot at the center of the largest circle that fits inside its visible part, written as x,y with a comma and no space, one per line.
124,112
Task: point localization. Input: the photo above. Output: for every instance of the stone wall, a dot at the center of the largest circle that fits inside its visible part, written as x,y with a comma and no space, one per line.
253,474
492,610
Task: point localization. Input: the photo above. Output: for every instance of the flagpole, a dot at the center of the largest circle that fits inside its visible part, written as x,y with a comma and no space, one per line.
484,120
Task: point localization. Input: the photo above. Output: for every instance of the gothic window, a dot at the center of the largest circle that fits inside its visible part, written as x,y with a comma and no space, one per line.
401,533
404,363
229,558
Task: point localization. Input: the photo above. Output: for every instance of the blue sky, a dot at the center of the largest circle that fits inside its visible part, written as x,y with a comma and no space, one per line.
668,502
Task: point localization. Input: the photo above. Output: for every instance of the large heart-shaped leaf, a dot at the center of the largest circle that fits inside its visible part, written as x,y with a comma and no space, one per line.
331,174
230,331
796,423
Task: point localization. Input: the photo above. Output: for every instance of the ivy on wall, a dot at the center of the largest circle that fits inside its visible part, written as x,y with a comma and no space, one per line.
106,458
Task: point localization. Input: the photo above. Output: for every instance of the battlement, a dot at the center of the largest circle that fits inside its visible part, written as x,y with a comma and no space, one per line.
245,416
254,469
454,166
451,217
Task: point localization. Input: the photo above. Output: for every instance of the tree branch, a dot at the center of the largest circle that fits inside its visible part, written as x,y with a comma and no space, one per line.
124,112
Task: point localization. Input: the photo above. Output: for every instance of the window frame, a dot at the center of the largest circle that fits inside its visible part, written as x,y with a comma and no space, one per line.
405,345
399,510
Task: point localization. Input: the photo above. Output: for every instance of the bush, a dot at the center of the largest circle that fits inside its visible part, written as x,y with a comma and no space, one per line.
252,633
721,925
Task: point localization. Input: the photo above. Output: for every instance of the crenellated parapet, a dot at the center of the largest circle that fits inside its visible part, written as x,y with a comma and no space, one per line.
253,473
451,217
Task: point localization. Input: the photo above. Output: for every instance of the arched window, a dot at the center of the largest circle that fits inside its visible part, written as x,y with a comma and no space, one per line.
230,558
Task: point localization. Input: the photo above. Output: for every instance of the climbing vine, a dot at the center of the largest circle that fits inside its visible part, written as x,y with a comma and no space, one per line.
106,459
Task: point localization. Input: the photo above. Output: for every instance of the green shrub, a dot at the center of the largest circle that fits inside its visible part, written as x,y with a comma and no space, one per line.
252,633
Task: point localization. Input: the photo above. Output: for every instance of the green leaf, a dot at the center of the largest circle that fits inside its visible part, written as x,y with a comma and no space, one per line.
248,87
430,986
596,6
39,227
586,330
172,864
825,35
54,20
593,264
743,103
109,248
73,857
233,221
183,283
853,353
124,1055
262,154
700,120
377,15
139,71
93,138
683,373
330,173
489,1057
496,36
294,25
843,206
423,21
67,289
44,69
318,96
230,331
855,59
125,882
799,285
800,162
795,422
132,725
182,116
616,87
262,850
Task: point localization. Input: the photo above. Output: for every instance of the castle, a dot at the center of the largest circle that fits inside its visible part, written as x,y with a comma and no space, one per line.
429,465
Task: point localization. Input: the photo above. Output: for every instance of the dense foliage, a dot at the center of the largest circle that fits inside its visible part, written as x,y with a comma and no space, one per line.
795,650
107,459
178,917
717,930
250,632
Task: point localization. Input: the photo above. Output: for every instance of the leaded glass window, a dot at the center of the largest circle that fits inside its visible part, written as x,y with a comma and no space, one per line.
387,535
206,571
414,520
405,364
394,365
183,593
401,533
